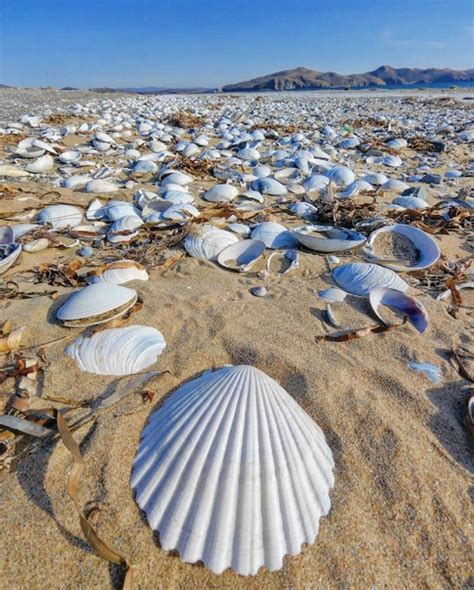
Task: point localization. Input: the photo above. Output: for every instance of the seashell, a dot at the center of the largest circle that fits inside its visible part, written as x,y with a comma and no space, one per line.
258,291
221,193
207,242
273,235
316,183
360,278
7,235
335,239
12,171
375,178
410,202
8,255
123,229
103,137
177,178
95,210
333,294
70,156
392,161
114,210
75,181
36,245
261,171
356,187
253,472
178,197
179,212
269,186
42,145
42,164
395,186
252,196
432,372
242,255
409,306
96,304
119,272
341,175
118,351
60,216
288,260
428,249
304,210
100,185
396,144
239,228
143,167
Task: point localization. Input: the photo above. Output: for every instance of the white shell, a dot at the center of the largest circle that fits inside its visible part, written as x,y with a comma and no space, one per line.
121,272
100,185
221,193
232,472
70,156
208,241
76,180
12,252
36,245
337,240
42,164
60,216
176,178
273,235
360,278
269,186
242,255
341,175
118,351
7,235
114,210
96,300
396,299
424,243
410,202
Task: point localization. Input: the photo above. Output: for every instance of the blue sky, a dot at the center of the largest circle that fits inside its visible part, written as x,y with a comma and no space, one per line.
88,43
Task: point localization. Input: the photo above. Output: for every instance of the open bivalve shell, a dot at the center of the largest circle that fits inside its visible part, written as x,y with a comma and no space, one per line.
428,249
242,255
60,216
402,302
118,351
8,255
231,471
273,235
360,278
96,304
207,242
333,239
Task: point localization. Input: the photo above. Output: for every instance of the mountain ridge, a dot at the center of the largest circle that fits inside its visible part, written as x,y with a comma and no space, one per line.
303,78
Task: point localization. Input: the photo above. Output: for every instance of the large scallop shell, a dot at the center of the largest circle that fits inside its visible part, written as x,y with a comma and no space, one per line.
96,304
118,351
208,241
424,243
231,471
335,239
360,278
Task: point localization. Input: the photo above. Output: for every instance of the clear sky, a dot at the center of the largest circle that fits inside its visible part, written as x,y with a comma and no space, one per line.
87,43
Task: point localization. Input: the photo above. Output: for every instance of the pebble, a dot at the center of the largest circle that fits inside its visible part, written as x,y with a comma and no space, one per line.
258,291
86,251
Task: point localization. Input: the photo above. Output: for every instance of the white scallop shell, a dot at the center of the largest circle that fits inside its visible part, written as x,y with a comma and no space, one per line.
360,278
336,239
242,255
119,272
273,235
221,193
208,241
423,242
60,216
118,351
96,300
232,472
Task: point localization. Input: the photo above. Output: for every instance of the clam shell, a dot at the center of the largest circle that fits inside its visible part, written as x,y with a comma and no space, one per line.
70,156
273,235
337,240
120,272
96,304
341,175
208,242
36,245
242,255
118,351
8,255
100,185
42,164
424,243
231,471
60,216
409,306
221,193
269,186
7,235
360,278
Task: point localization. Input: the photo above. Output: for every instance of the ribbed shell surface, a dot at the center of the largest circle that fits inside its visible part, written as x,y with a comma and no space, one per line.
231,471
360,278
119,351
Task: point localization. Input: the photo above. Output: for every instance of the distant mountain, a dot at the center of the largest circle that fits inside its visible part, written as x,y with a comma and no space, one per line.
306,79
155,90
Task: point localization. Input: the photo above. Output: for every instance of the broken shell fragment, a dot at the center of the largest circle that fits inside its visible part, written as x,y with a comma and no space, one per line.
324,238
242,255
119,272
402,302
8,255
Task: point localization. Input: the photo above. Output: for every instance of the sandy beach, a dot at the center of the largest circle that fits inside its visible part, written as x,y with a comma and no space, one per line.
403,457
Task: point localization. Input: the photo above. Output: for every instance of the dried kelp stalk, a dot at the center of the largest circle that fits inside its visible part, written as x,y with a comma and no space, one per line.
359,333
60,274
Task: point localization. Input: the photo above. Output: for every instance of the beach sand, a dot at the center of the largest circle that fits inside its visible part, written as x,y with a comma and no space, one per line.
403,457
